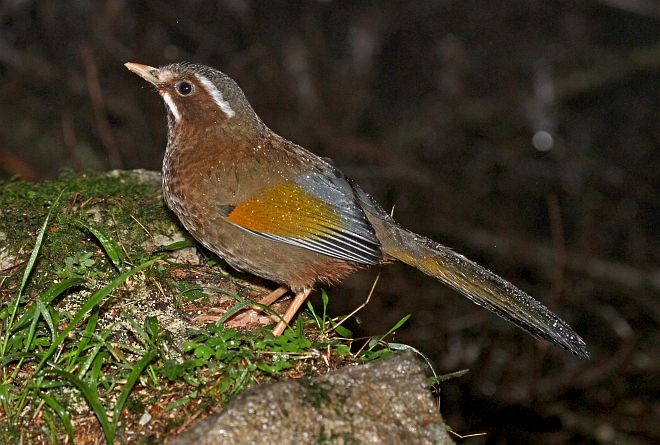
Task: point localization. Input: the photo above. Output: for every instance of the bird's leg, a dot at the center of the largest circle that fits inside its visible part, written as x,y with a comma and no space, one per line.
259,307
240,319
298,301
269,299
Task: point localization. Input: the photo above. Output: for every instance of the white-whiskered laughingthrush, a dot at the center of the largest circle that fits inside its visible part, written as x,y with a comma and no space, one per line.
269,207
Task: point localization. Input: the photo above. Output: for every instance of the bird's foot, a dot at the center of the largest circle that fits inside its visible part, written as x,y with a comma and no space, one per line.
251,316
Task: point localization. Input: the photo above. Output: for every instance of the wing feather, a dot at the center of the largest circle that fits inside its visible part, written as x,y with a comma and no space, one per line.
314,212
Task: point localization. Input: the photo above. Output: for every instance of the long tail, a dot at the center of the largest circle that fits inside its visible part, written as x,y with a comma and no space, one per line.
477,283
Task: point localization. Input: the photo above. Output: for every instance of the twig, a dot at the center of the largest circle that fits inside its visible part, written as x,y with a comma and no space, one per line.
364,303
70,139
98,107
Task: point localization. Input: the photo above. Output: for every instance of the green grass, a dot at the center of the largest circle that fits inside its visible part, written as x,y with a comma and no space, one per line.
79,355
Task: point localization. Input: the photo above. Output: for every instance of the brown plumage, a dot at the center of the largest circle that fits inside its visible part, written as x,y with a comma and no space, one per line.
270,207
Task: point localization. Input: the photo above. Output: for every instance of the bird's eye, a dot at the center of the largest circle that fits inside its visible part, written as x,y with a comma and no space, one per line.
184,88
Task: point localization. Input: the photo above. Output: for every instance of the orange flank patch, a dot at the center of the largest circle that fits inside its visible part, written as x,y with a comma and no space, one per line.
287,210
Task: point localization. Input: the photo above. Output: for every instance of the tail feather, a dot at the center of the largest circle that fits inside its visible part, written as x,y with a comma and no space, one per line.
479,285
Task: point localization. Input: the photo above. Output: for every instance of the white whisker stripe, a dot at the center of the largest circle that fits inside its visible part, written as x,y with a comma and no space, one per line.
216,95
172,106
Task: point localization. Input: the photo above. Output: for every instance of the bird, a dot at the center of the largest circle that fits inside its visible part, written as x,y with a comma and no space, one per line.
270,207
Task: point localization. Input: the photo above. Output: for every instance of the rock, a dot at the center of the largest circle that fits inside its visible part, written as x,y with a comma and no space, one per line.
380,402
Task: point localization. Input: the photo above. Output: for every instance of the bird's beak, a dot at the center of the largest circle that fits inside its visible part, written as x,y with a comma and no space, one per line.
148,73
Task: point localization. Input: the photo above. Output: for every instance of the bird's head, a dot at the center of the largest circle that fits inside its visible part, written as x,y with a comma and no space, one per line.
198,96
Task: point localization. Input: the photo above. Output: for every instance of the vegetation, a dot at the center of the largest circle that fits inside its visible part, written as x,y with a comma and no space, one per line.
81,351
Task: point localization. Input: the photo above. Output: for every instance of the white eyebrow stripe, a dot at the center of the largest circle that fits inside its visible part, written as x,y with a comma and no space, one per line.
216,95
172,106
165,75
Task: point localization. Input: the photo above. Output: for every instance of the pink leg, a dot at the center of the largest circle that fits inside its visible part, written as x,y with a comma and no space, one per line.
298,301
271,298
265,301
238,319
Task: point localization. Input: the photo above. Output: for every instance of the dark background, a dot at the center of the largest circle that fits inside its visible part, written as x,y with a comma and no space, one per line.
525,134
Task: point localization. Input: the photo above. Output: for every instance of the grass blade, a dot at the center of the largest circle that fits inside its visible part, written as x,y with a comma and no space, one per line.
28,270
55,291
61,413
92,321
130,383
110,246
96,299
138,329
177,245
92,398
397,325
42,311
